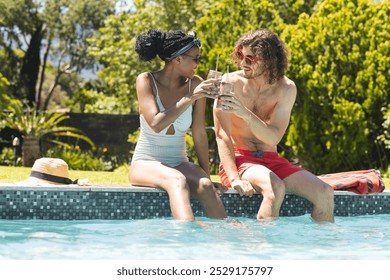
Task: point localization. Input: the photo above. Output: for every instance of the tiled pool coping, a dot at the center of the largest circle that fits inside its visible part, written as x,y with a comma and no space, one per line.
123,202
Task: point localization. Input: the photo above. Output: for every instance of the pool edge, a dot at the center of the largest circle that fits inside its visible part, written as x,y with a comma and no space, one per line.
132,202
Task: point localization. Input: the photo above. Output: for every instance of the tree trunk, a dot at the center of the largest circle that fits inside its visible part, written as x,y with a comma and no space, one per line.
30,150
30,68
43,69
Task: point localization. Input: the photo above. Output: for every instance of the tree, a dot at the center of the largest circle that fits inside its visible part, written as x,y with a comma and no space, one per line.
18,31
340,61
222,25
290,10
4,98
113,47
61,27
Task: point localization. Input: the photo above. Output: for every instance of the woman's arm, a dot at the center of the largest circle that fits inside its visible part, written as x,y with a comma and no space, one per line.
199,135
149,109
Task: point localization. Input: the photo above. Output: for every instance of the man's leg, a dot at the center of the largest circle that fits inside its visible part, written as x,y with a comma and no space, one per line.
270,186
321,195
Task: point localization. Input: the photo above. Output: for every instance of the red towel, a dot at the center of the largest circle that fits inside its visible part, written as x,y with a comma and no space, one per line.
360,182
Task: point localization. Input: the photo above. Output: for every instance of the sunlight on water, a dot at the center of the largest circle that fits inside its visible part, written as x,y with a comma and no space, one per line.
363,237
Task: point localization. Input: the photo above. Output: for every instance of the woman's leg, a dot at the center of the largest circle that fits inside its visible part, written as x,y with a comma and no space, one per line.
157,175
203,189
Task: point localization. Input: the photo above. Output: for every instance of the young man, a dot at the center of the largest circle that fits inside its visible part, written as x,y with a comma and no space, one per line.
250,123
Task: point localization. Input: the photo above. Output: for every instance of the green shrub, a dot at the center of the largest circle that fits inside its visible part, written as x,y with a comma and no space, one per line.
7,157
80,160
340,63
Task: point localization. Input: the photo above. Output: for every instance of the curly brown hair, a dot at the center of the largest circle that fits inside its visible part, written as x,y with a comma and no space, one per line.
269,47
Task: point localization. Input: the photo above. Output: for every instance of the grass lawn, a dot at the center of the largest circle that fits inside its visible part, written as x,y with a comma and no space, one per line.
117,177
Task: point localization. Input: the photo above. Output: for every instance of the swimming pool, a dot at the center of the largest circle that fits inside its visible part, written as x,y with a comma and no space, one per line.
288,238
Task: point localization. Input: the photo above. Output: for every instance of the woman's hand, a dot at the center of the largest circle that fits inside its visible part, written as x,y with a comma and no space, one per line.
208,88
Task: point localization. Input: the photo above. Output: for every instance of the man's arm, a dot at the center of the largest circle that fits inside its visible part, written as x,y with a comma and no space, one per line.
222,125
272,130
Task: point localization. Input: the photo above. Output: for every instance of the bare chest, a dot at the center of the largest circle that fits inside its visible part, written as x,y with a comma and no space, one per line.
262,104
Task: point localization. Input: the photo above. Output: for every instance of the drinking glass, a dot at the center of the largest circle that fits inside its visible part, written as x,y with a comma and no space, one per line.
214,74
226,89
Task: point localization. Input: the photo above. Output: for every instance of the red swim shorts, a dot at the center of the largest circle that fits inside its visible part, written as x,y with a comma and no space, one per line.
245,159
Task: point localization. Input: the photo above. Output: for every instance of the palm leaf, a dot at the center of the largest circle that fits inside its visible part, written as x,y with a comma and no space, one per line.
31,122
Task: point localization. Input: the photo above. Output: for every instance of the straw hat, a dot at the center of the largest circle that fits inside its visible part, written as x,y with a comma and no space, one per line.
49,171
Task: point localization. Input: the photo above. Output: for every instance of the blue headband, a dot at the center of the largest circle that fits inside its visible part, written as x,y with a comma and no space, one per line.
195,42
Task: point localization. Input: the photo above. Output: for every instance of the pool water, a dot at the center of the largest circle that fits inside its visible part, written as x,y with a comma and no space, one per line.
298,238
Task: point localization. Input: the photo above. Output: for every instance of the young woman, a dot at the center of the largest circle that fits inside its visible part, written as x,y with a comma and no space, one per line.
171,101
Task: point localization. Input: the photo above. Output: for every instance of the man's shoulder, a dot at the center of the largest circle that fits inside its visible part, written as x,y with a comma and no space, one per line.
288,82
233,76
286,85
236,73
287,90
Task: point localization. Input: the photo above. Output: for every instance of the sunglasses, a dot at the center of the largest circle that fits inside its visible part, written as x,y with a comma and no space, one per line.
248,60
196,59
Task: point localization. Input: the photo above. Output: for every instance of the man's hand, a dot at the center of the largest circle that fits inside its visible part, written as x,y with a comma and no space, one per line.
231,104
243,187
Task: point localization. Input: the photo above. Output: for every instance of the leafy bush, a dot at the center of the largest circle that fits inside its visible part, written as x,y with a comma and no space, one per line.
91,101
7,157
81,160
385,137
339,62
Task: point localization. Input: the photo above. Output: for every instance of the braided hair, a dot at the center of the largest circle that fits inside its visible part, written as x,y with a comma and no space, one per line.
167,45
